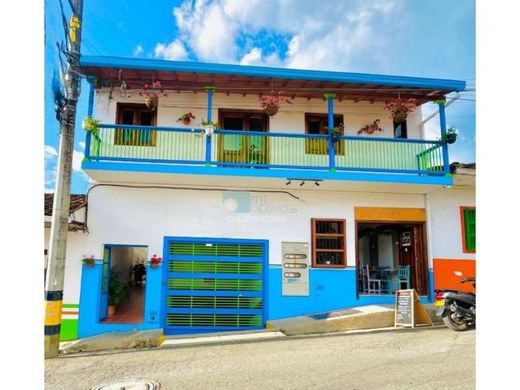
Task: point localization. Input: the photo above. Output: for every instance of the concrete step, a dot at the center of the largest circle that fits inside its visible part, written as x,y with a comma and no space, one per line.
112,341
362,317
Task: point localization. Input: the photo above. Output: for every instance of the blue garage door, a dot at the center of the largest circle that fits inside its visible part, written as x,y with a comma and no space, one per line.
214,285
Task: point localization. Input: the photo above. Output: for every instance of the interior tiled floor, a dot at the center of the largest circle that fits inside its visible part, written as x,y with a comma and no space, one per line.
129,311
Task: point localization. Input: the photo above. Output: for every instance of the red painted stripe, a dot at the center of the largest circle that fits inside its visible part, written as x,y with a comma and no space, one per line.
69,312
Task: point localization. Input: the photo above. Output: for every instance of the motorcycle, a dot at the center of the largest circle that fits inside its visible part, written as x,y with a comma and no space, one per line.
458,308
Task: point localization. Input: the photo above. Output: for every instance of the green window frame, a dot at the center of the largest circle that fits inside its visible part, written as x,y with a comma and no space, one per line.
469,231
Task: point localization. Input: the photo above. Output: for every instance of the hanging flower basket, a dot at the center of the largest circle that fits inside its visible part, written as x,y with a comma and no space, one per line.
151,102
271,103
271,110
89,261
399,109
155,261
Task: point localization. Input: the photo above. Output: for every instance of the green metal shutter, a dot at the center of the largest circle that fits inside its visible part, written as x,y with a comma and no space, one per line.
470,229
213,286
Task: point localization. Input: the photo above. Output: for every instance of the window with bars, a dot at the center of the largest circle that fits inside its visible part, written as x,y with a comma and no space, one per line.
468,224
328,243
136,115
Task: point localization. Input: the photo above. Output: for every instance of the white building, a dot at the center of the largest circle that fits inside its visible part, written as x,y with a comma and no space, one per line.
218,204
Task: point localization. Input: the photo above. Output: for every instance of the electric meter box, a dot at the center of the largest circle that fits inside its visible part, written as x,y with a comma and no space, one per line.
295,268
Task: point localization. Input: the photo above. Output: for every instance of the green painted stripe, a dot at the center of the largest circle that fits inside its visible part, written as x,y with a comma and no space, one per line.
202,302
70,305
236,320
215,284
215,267
69,330
195,249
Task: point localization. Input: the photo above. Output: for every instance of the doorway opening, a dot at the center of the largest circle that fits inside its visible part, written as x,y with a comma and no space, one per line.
391,256
243,149
123,284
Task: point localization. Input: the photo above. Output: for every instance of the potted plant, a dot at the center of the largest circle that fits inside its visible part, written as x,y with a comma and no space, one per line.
335,131
155,261
399,109
89,260
186,118
91,125
451,135
151,99
271,103
209,126
371,129
116,292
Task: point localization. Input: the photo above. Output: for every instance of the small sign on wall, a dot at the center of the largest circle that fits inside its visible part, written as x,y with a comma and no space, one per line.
406,239
295,268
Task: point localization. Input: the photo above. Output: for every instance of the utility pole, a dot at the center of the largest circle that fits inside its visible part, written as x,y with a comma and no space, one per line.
60,207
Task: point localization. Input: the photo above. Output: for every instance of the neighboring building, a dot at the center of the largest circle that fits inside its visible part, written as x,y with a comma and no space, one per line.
75,237
221,206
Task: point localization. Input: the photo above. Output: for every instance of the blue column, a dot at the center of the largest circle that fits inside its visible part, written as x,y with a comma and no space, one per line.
89,113
442,118
210,91
330,109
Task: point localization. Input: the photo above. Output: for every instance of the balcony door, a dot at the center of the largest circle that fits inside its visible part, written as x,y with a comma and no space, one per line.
242,148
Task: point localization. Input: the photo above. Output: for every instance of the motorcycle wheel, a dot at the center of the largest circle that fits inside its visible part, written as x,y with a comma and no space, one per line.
454,323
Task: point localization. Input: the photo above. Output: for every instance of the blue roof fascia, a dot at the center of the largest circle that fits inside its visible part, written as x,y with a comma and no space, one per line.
279,73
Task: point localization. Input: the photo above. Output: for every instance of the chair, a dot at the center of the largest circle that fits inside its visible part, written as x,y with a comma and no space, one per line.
372,285
404,276
386,280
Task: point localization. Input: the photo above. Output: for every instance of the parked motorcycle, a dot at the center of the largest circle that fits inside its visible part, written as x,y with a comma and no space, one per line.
458,308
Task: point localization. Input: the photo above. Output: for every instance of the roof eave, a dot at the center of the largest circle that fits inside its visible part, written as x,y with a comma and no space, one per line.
277,73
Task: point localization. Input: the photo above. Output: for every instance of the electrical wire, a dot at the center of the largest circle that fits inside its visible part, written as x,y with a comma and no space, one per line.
205,189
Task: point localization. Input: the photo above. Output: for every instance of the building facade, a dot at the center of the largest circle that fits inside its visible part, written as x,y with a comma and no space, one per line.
259,217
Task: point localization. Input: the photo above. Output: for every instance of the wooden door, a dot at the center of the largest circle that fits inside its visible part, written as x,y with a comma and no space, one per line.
420,260
240,148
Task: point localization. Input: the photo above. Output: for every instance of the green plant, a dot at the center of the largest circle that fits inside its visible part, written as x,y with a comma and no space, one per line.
92,125
116,289
450,136
88,260
209,123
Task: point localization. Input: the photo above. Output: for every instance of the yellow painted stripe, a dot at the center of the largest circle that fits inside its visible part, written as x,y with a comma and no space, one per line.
53,312
397,214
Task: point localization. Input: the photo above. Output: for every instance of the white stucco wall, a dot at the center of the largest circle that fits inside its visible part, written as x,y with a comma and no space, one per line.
445,224
76,248
290,118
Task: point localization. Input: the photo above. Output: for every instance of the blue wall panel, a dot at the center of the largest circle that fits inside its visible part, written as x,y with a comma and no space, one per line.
90,297
328,290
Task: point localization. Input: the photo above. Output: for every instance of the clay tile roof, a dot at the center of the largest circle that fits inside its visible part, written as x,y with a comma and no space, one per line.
77,201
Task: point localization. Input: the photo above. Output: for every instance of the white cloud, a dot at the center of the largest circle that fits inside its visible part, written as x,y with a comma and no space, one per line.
138,50
252,57
172,51
50,152
81,145
329,37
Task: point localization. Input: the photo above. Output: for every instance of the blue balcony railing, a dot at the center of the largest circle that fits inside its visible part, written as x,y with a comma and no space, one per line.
268,150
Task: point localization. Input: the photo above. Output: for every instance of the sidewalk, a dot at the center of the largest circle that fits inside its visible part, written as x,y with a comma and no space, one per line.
354,320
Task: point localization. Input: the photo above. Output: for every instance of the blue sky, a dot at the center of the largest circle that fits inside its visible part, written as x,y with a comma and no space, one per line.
413,38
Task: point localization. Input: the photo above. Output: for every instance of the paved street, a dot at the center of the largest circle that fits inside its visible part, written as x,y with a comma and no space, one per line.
413,359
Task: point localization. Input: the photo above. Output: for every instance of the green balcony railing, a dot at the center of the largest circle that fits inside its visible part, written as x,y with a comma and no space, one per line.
269,150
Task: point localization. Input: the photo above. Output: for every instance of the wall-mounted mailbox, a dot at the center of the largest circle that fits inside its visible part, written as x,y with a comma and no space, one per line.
295,268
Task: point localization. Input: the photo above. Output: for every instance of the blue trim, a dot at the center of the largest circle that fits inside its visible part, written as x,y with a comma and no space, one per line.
278,73
330,117
90,96
151,128
442,118
432,178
